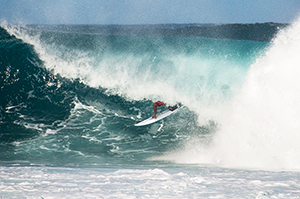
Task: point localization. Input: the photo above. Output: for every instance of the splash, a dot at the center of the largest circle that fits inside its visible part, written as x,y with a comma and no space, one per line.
261,128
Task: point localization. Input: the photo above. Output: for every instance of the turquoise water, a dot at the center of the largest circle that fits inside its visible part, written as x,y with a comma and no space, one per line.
70,96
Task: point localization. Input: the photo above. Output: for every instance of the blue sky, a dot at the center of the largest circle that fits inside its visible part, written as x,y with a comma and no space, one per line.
148,11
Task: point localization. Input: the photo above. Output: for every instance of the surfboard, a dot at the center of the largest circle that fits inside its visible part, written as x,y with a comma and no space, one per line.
160,116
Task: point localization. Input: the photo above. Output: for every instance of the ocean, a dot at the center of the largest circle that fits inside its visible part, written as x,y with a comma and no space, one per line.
71,94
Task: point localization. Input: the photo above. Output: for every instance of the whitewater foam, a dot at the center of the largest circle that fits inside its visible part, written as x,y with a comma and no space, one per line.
260,129
139,182
264,127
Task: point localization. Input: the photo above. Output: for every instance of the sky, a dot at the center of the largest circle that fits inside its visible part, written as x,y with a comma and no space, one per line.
148,11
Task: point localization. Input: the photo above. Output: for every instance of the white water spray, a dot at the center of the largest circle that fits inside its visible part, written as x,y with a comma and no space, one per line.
261,130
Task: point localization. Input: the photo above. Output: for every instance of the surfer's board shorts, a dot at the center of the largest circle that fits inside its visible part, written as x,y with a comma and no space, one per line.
159,103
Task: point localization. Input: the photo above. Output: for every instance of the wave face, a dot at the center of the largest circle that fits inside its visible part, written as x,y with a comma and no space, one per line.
70,96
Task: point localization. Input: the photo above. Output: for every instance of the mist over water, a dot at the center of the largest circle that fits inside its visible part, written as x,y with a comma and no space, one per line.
269,108
260,127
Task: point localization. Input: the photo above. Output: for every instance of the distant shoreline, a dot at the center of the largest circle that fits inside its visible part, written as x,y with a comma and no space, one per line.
263,32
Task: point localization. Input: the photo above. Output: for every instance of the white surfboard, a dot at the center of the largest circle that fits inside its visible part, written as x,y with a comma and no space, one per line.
160,116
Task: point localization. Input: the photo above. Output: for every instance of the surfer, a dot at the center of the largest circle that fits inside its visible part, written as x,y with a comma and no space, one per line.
160,116
159,104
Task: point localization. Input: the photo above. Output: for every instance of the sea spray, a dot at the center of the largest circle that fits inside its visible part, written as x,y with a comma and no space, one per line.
259,129
263,129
